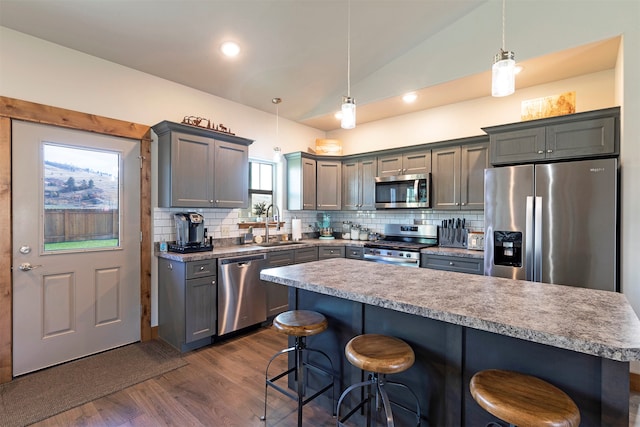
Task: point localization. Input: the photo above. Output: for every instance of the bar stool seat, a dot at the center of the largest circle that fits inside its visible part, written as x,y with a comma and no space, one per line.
523,400
299,324
380,355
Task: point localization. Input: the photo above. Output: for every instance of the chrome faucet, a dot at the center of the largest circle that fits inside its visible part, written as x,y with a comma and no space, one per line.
276,218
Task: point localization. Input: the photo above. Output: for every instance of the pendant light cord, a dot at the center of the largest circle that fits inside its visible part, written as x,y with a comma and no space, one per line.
348,48
504,20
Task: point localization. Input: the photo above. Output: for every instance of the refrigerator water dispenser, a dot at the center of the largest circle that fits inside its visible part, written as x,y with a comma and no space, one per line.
508,248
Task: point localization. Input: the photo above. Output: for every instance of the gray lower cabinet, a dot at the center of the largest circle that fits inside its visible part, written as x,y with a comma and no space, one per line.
278,295
589,134
201,168
187,305
326,252
354,252
453,263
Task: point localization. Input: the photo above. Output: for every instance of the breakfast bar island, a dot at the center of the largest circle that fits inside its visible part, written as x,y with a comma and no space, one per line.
579,340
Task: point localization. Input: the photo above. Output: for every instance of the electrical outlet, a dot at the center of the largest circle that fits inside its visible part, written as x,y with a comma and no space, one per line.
225,231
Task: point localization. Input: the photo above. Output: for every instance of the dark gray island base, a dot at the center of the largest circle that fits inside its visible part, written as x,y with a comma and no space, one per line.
578,339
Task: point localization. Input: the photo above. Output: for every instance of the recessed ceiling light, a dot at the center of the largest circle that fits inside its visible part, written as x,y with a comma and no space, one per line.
409,97
230,49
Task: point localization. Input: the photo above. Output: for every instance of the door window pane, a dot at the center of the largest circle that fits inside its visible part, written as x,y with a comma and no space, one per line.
81,198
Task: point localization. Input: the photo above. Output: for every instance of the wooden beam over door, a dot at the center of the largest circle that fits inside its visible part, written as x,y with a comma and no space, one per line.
15,109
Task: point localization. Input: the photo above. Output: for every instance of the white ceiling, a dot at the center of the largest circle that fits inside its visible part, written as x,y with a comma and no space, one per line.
292,49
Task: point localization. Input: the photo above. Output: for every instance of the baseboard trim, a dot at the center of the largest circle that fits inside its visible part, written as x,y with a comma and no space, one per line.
634,382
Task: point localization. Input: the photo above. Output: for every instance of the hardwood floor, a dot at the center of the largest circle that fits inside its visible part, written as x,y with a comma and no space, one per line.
223,385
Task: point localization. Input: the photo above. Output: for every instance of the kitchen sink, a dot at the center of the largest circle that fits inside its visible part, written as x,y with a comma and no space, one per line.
281,243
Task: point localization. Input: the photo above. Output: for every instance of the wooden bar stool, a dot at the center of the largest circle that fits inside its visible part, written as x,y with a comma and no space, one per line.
299,324
523,400
379,355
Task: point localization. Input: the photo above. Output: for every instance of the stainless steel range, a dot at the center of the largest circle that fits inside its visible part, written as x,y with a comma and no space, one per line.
401,244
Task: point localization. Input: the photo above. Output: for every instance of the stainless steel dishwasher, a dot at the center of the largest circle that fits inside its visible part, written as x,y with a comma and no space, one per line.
241,293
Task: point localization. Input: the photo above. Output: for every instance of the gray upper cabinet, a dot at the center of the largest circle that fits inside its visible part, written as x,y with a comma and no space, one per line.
589,134
201,168
301,181
313,183
405,163
329,185
458,176
358,184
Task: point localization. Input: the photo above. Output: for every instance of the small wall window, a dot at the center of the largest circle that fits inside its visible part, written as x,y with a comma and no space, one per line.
261,184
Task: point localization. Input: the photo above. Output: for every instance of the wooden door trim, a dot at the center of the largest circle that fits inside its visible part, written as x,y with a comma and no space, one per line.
15,109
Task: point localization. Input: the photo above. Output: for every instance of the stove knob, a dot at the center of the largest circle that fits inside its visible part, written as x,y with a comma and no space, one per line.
400,254
408,255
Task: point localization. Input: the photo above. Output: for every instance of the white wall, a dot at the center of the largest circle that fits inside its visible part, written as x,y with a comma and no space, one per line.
34,70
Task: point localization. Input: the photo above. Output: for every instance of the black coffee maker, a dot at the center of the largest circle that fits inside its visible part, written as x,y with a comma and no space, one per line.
189,233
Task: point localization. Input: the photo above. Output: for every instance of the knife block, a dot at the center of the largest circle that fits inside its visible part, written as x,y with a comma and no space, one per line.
452,237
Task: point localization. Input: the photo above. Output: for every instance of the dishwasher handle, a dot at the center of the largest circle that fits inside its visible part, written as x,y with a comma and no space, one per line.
243,260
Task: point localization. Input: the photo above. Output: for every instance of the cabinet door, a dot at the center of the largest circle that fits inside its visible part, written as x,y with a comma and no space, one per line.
305,255
354,252
191,176
390,165
308,184
518,146
581,139
368,170
416,162
475,159
278,295
446,178
200,308
231,176
329,185
326,252
453,263
350,185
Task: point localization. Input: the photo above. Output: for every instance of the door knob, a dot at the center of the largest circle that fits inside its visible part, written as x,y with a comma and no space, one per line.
26,266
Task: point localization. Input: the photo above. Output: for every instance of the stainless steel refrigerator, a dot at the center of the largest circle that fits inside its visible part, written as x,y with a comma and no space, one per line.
553,223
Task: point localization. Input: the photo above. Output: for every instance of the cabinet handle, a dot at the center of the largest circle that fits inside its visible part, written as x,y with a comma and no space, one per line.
540,151
213,282
457,204
202,268
549,151
169,266
463,203
217,201
451,263
210,201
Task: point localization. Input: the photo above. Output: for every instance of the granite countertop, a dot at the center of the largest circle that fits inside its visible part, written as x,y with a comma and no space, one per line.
249,249
599,323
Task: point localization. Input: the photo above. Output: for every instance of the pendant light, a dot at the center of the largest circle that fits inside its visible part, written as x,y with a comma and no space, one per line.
277,152
503,72
348,103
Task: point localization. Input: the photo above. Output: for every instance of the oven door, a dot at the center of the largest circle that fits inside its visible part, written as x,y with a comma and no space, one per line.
404,259
403,191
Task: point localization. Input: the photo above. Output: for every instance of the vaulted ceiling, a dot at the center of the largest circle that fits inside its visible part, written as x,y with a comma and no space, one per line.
292,49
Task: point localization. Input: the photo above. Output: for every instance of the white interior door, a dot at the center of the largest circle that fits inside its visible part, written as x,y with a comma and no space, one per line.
76,244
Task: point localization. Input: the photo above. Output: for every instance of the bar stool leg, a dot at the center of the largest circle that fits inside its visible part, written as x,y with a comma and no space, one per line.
300,377
267,380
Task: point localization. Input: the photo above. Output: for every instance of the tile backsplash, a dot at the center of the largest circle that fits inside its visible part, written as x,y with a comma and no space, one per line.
223,223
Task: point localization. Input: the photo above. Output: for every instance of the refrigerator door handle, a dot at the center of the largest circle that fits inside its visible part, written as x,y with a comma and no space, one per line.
528,242
537,229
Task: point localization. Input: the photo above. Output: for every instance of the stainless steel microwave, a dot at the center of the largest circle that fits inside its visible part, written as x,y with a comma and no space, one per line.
403,191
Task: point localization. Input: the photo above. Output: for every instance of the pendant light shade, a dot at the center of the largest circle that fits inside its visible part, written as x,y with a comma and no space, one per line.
503,74
503,71
348,120
348,113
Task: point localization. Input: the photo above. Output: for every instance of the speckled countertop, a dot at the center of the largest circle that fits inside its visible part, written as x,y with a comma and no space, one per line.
594,322
236,250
